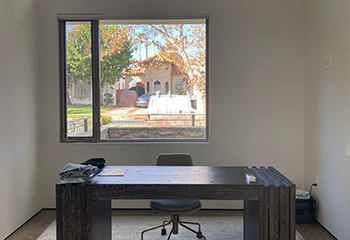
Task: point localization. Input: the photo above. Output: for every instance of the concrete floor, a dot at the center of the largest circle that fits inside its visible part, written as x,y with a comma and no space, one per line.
35,226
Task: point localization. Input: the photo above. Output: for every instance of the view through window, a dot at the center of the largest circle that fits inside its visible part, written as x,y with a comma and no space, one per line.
152,80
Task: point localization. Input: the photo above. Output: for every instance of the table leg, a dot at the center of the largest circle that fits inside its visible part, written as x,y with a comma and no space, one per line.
274,213
251,220
80,217
292,209
256,217
287,212
73,212
286,204
101,220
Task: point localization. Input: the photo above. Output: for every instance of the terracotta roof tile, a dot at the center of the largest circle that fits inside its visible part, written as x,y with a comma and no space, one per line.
134,71
155,58
175,69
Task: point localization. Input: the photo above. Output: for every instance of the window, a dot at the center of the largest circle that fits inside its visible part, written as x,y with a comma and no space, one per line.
166,87
179,86
82,89
147,87
157,86
97,55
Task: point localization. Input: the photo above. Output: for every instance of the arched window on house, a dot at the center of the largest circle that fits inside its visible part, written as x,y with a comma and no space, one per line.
166,87
147,87
157,86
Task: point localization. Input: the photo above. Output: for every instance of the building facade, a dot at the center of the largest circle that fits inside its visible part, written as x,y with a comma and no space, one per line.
160,75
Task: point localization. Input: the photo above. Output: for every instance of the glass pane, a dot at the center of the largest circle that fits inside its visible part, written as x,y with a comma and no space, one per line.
157,87
166,87
79,76
164,94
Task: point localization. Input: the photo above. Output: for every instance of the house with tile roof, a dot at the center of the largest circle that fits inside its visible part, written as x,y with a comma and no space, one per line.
157,72
160,75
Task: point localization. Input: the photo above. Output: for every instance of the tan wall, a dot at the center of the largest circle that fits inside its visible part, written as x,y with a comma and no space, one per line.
163,75
128,79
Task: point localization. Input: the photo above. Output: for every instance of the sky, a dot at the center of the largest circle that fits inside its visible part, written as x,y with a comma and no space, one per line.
139,54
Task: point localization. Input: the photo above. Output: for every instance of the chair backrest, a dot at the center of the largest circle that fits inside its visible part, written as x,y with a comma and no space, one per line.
174,159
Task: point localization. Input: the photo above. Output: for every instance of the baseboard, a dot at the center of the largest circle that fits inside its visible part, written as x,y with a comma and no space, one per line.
324,228
48,209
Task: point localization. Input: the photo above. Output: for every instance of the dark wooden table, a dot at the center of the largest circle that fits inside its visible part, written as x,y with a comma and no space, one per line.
84,211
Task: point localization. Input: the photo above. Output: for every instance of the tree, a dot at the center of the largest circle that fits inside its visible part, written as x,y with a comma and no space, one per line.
184,45
78,51
115,54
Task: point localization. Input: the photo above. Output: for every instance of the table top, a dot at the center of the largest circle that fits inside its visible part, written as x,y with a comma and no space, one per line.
175,175
185,182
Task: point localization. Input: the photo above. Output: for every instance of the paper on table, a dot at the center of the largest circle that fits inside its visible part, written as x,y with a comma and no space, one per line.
113,172
250,177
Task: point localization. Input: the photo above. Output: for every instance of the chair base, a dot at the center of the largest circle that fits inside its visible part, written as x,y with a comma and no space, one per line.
175,220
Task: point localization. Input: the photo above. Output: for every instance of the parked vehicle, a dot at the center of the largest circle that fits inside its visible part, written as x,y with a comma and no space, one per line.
143,101
172,104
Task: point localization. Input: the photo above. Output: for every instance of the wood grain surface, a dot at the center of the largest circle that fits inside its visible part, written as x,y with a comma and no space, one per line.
83,210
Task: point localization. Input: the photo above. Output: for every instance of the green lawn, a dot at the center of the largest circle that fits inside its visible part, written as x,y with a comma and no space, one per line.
78,116
83,112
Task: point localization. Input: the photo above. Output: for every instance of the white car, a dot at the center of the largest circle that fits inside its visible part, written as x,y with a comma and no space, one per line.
172,104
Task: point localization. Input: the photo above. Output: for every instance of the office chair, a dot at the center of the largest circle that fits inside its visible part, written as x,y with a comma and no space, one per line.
175,208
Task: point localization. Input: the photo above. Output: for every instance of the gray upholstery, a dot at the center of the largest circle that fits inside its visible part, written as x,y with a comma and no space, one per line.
174,159
175,207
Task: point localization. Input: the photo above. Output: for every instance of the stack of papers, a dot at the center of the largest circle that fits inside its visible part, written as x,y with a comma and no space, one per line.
250,177
113,172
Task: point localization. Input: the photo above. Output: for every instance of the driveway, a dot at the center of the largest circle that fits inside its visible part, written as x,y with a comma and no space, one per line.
127,113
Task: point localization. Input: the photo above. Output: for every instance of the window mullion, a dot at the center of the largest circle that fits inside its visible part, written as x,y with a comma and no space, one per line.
95,34
63,92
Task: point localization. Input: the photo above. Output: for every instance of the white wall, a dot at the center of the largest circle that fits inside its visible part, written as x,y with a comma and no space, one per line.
327,104
256,96
19,171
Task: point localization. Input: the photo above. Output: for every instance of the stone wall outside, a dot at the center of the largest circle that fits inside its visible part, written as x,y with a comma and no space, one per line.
158,132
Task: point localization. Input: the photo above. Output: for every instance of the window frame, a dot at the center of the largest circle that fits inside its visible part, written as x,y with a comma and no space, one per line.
175,86
160,83
166,87
148,87
95,22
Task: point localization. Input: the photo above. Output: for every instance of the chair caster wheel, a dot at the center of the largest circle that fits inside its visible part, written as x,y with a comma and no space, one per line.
163,232
199,236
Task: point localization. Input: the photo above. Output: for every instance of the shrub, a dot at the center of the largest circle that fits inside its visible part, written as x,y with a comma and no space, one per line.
106,119
108,100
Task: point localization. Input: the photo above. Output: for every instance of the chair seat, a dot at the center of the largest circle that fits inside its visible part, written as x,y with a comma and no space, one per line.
175,207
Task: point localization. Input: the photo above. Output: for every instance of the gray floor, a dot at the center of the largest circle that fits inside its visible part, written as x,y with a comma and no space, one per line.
35,227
